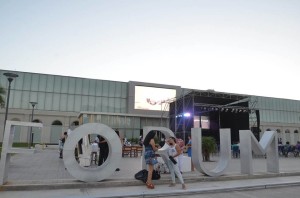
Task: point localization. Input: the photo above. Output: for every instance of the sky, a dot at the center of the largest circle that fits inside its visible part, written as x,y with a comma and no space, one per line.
236,46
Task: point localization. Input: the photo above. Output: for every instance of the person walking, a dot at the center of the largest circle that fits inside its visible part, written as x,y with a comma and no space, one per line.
61,144
149,156
173,152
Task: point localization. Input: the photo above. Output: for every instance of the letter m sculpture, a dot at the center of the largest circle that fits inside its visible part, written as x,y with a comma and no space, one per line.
268,146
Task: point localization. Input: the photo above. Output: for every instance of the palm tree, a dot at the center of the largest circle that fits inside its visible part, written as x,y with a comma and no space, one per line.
2,92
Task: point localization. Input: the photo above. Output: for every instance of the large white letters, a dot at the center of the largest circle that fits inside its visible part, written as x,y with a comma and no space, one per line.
7,148
225,152
107,168
267,145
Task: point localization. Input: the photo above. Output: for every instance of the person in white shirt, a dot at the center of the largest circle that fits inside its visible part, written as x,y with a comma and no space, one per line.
69,131
95,147
94,151
173,152
97,140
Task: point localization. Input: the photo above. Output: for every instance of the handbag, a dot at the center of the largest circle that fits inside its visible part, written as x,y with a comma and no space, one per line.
143,174
172,159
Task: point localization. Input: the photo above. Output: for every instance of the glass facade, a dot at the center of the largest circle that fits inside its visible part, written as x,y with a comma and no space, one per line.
277,110
281,115
71,94
66,94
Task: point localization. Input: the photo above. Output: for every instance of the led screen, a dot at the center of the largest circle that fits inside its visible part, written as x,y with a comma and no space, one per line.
205,124
196,121
152,98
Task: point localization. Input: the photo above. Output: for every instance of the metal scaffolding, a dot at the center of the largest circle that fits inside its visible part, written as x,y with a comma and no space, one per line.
186,99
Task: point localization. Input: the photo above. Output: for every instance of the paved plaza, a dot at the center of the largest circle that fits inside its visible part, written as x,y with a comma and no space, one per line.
30,173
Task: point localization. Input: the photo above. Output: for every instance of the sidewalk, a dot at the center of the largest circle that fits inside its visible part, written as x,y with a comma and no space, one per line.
160,190
45,171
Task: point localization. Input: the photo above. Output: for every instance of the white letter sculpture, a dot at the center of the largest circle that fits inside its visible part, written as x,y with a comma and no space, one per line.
107,168
225,152
7,148
267,145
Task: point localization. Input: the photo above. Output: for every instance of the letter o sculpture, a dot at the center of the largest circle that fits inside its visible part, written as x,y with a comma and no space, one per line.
107,168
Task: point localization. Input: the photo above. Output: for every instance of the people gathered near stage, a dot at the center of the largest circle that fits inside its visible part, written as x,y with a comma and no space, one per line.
235,150
286,149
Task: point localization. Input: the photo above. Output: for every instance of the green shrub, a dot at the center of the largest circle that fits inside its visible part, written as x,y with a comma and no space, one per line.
208,146
133,140
16,144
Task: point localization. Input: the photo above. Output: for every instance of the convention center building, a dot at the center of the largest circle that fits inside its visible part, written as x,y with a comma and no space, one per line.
62,103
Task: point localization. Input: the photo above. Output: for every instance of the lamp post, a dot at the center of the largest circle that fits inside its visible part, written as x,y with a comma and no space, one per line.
31,133
10,77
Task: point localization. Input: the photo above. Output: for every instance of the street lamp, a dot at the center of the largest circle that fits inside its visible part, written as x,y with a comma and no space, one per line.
10,77
31,133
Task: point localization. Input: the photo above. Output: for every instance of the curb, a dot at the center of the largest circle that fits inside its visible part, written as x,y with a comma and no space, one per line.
206,191
75,184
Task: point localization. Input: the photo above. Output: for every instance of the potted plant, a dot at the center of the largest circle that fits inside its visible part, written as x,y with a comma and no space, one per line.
208,147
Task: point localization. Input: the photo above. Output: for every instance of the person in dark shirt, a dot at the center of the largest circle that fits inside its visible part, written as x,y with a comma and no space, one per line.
62,142
103,150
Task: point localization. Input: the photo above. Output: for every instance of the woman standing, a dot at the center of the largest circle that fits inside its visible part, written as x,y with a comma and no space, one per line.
189,151
174,151
149,155
61,144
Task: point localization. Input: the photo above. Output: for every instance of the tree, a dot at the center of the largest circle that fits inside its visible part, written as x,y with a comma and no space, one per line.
2,92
